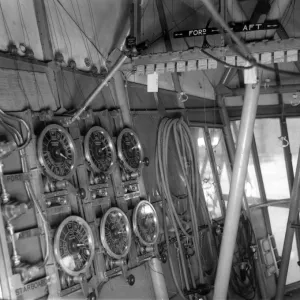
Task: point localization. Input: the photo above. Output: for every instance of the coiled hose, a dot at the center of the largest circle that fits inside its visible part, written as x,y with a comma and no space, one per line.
29,189
186,154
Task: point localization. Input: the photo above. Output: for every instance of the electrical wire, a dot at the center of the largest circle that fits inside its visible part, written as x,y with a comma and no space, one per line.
244,52
82,31
180,132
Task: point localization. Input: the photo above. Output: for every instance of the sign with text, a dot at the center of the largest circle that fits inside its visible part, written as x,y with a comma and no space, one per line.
236,27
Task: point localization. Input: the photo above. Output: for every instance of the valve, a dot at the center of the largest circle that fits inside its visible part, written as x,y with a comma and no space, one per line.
13,209
7,148
27,271
131,280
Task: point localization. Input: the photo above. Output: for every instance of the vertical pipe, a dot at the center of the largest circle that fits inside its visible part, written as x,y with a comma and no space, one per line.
158,279
231,151
289,234
236,190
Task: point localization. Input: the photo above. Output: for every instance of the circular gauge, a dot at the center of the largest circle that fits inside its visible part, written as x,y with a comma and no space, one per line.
130,150
74,245
99,150
145,223
115,233
56,152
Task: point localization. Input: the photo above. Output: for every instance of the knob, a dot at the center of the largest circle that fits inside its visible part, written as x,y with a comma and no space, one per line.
82,193
146,161
131,280
91,296
163,258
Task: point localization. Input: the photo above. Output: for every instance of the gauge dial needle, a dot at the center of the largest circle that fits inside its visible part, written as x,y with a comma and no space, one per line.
60,154
81,245
134,147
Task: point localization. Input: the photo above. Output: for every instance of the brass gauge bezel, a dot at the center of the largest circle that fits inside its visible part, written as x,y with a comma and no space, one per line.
87,150
103,236
91,243
121,154
135,223
42,159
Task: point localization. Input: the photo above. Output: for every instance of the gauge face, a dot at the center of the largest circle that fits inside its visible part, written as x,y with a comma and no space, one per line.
145,223
74,245
130,150
99,150
115,233
56,152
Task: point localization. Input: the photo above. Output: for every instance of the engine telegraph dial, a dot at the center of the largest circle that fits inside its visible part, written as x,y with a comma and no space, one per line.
74,245
130,150
56,152
145,223
115,233
99,150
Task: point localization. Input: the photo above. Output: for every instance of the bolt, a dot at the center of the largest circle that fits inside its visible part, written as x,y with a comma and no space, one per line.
87,62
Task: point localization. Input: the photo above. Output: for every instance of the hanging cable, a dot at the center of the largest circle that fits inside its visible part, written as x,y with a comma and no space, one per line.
179,131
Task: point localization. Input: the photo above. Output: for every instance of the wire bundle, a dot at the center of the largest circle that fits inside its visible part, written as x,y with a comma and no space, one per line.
187,157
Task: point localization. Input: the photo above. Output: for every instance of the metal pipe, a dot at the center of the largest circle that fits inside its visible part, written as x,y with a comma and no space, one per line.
261,186
236,191
231,151
278,203
289,234
158,279
274,89
98,89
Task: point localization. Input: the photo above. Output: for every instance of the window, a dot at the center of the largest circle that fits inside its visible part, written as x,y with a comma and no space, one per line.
206,174
278,219
271,158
